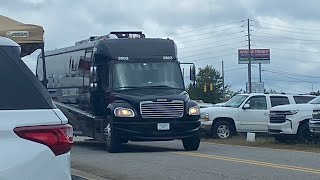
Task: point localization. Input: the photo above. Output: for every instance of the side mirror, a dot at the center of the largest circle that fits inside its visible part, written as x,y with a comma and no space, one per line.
246,106
192,73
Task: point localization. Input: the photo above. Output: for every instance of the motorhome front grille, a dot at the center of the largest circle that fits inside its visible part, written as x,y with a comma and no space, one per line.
150,109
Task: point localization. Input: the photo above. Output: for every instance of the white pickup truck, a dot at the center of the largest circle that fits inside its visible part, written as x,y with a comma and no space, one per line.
292,121
245,113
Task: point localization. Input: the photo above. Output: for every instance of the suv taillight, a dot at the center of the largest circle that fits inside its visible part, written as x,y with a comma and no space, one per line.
59,138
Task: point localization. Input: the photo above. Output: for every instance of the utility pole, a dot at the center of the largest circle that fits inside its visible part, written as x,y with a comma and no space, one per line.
223,90
249,56
260,72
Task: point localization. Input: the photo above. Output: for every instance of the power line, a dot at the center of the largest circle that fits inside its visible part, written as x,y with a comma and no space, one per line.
281,49
287,26
211,37
279,42
294,59
214,57
211,42
282,87
288,76
199,29
278,36
292,74
212,47
235,69
231,48
288,31
211,32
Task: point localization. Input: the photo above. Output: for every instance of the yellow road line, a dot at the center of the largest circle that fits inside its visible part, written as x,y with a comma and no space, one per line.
276,149
251,162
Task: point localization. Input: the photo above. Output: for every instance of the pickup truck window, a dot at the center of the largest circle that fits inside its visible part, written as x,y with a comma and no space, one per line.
257,102
279,100
302,99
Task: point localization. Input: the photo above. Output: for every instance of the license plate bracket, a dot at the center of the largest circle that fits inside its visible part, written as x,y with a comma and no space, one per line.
163,126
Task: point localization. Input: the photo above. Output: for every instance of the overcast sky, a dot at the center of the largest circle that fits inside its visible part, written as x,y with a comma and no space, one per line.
206,32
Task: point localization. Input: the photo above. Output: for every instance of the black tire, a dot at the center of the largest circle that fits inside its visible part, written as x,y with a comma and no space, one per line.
304,134
112,141
221,129
192,143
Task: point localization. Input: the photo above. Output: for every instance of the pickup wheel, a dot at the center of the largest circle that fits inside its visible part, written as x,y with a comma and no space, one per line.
192,143
304,134
112,142
221,129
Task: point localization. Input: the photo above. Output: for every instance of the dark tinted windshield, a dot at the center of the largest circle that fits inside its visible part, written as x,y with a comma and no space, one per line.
147,74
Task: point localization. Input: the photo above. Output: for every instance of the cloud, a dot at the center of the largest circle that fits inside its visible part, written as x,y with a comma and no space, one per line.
196,26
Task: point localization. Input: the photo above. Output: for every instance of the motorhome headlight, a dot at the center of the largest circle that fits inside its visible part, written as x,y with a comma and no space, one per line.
204,116
195,110
123,112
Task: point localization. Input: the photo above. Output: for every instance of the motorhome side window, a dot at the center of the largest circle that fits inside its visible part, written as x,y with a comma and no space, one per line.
257,102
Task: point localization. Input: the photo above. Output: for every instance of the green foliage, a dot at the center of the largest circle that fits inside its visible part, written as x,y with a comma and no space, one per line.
205,77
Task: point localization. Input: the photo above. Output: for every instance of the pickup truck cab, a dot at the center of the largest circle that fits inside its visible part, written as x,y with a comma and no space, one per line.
244,113
292,121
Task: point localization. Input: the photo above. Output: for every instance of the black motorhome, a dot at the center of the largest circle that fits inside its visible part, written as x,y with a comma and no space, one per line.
123,87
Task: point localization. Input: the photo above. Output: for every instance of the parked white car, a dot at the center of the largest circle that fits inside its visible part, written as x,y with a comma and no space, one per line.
292,121
35,139
245,113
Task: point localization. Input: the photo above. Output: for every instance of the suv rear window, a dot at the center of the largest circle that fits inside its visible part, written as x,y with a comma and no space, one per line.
302,99
20,89
279,100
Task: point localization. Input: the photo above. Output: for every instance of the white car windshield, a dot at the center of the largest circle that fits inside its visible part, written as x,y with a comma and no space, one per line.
236,101
315,101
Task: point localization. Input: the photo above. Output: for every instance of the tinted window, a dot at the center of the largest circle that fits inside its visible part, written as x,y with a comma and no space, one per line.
302,99
279,100
257,102
20,89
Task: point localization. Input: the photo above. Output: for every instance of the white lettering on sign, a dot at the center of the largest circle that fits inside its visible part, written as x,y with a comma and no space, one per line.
17,34
167,57
123,58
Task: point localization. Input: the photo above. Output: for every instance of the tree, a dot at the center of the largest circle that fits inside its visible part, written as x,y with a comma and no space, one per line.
205,77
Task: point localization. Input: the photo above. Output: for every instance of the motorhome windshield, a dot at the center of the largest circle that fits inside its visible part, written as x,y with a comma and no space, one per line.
129,75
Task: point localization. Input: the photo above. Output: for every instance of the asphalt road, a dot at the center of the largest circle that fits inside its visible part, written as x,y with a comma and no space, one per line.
167,160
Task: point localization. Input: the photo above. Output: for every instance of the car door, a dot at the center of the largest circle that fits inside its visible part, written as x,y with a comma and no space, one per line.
254,115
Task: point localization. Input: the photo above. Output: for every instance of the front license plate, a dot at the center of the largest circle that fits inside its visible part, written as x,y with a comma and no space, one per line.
163,126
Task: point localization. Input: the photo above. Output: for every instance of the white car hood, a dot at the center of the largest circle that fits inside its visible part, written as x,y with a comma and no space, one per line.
215,112
290,107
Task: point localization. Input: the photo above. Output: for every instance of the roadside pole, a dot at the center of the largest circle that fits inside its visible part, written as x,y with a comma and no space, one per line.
223,89
249,64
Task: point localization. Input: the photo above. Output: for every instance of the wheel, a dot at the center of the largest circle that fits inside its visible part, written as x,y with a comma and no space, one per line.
221,129
112,142
304,134
192,143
